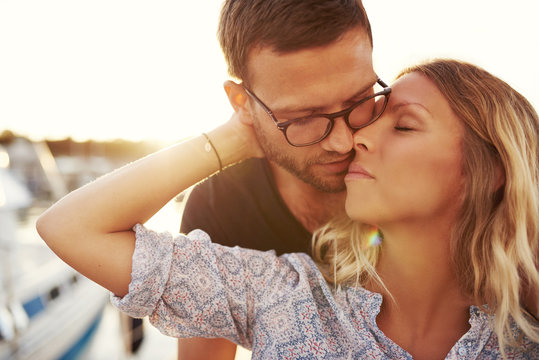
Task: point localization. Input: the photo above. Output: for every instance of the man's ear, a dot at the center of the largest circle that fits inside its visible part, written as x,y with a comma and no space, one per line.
236,96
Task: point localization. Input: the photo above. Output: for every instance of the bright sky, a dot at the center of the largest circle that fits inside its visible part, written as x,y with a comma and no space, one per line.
107,69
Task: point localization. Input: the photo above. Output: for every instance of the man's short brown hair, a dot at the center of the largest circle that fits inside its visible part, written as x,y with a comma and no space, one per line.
285,26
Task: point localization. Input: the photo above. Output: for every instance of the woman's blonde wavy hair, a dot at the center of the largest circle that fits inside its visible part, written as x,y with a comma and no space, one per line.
495,241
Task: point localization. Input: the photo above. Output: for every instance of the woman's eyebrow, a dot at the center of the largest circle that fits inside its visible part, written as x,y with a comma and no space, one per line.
397,106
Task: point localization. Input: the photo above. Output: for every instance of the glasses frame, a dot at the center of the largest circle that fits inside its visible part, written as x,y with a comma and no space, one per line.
283,126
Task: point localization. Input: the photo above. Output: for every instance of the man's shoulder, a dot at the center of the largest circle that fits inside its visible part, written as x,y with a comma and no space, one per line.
251,176
245,170
243,189
242,206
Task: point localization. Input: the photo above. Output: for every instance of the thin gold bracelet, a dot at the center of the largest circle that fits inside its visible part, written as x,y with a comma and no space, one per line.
209,147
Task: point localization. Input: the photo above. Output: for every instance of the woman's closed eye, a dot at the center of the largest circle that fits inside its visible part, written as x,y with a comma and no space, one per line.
407,122
405,125
403,128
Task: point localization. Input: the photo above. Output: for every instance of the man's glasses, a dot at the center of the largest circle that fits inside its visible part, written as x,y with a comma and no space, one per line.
312,129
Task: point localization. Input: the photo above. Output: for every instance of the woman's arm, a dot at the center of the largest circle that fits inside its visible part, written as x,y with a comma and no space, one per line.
90,229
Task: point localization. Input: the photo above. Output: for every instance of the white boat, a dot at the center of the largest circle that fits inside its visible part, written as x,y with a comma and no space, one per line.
47,310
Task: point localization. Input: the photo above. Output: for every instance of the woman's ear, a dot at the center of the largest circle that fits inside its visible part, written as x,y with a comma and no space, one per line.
499,177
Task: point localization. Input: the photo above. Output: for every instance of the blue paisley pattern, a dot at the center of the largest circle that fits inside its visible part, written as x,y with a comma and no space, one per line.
278,307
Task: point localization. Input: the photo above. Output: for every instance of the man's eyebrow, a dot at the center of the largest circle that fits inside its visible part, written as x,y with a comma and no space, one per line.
363,90
317,110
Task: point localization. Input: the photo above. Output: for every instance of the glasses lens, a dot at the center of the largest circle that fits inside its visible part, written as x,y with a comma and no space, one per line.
367,111
307,131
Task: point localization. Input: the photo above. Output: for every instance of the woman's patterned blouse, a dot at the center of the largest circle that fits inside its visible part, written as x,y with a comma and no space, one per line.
279,307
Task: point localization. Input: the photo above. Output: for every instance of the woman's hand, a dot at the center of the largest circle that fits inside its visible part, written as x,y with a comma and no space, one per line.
242,125
235,140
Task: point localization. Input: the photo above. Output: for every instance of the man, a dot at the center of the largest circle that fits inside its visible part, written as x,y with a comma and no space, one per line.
294,60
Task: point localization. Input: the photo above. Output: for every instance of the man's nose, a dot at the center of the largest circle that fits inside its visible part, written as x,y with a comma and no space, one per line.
341,138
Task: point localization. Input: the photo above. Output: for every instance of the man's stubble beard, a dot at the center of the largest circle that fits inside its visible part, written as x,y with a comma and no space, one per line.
301,170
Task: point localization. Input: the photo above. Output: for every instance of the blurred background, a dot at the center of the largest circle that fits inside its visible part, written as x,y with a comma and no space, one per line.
86,87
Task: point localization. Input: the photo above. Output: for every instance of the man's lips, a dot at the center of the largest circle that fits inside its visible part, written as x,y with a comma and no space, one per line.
339,166
356,171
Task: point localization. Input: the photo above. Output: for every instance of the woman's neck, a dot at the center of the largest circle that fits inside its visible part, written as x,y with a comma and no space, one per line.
424,303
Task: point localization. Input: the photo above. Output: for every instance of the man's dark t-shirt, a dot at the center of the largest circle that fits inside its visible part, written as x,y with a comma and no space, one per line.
242,206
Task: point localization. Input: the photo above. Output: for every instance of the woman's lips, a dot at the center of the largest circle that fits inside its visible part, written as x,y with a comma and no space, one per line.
356,171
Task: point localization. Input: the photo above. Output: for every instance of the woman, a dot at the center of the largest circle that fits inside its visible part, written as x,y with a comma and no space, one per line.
448,176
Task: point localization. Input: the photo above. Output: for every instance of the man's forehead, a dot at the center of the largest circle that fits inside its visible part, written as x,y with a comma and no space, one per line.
263,59
319,76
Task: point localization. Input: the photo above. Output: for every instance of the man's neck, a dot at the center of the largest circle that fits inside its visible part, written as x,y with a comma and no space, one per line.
310,206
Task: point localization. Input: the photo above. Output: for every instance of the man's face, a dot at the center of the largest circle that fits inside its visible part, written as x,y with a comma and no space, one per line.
320,80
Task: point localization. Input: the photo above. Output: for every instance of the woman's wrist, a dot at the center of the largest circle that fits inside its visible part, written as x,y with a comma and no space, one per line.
209,147
227,145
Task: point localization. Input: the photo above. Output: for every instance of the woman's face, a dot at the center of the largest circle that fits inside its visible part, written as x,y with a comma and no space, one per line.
407,167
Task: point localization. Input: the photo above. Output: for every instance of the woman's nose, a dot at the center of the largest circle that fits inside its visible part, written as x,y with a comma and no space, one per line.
365,138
